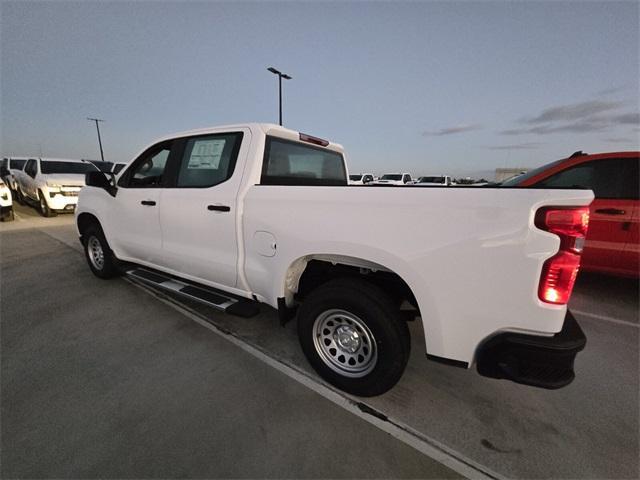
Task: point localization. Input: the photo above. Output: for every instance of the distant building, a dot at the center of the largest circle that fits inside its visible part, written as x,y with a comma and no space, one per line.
503,174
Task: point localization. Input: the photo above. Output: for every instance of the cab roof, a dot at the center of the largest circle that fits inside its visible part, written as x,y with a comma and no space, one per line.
266,128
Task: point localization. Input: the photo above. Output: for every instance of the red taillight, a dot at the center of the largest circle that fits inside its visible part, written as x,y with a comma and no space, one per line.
560,271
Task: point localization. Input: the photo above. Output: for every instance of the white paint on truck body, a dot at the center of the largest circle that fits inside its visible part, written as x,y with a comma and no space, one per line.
472,257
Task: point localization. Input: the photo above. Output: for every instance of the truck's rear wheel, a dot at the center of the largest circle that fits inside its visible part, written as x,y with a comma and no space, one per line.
354,337
100,258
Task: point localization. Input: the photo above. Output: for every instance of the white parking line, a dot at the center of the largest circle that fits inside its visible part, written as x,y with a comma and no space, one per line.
605,318
426,445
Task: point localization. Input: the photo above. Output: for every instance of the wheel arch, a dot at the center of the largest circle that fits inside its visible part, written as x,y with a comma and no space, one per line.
310,271
85,220
390,271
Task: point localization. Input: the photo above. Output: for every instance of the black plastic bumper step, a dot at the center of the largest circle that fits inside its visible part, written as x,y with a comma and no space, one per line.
205,295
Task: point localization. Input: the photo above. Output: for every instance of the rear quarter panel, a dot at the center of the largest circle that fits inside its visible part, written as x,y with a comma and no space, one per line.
471,256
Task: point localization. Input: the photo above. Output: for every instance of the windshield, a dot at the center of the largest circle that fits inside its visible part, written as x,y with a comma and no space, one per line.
355,178
391,176
17,164
431,180
103,166
518,179
66,167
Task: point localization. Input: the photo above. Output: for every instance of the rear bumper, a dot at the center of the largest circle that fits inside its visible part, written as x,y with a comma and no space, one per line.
545,362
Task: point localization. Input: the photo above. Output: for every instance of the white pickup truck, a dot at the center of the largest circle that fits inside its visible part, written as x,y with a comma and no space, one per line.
241,215
52,184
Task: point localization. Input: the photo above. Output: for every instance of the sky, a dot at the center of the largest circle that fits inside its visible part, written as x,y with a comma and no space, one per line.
458,88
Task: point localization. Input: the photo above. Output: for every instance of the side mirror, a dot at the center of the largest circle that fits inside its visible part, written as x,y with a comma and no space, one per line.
100,180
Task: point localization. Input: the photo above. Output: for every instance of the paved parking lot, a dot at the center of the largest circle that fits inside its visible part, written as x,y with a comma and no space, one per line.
104,379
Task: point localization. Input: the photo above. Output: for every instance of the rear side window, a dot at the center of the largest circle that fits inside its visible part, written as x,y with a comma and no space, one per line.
294,163
208,160
615,178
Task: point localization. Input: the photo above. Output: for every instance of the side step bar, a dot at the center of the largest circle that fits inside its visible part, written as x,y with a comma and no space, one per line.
205,295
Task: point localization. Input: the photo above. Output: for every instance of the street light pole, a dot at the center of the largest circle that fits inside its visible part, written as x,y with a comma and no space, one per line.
280,77
99,139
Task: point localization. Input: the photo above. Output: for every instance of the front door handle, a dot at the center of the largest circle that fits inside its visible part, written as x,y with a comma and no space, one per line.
219,208
611,211
149,203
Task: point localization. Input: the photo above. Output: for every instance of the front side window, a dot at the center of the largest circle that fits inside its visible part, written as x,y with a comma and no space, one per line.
208,160
292,163
64,167
31,169
148,170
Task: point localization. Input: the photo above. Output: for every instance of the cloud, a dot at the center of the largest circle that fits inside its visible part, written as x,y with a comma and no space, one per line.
517,146
452,130
583,117
610,91
573,111
627,118
620,140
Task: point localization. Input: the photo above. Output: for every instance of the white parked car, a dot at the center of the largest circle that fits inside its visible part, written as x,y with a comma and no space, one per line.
10,170
53,184
360,179
255,213
395,179
434,181
6,202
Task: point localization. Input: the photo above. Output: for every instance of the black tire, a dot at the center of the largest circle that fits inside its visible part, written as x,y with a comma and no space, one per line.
94,242
361,302
8,217
45,211
19,196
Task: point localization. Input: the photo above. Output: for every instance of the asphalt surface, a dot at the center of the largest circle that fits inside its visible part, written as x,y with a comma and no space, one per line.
100,380
587,430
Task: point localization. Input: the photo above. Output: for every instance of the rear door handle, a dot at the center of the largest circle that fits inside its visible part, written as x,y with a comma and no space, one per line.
611,211
150,203
219,208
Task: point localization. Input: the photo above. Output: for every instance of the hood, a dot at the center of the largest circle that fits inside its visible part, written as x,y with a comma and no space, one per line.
68,179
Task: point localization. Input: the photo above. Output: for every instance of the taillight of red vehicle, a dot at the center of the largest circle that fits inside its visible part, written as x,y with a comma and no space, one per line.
560,271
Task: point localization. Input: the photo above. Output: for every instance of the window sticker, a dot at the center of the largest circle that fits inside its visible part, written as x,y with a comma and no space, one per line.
206,154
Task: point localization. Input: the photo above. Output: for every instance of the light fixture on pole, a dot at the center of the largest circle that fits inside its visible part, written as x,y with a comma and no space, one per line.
280,77
99,139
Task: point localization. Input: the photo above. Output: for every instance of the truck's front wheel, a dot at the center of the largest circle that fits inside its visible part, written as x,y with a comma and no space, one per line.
100,258
45,211
354,337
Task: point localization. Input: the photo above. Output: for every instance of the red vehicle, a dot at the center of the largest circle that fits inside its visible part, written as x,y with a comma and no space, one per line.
613,240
